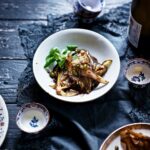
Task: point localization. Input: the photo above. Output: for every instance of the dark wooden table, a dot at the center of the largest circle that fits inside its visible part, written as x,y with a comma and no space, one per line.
12,59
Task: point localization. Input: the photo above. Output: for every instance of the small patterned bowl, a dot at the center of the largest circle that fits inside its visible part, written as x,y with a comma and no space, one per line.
32,117
137,72
88,10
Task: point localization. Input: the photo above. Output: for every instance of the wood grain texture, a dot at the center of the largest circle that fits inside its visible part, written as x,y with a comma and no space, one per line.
10,71
32,9
10,45
39,10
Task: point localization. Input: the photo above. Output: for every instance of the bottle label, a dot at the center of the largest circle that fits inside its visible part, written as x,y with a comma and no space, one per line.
134,31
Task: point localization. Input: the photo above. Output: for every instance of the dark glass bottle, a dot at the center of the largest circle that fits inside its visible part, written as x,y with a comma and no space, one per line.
139,26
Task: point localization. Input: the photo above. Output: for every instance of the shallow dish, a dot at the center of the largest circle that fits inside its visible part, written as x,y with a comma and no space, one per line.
4,120
96,44
137,72
32,117
113,139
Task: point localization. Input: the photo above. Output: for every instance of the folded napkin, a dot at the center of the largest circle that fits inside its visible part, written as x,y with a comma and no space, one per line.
81,126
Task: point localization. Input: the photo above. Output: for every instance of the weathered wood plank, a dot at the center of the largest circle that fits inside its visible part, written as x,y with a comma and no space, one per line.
10,45
12,25
110,4
32,9
40,9
116,2
10,71
13,131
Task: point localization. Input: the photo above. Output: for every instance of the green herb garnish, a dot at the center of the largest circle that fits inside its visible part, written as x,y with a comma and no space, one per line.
59,57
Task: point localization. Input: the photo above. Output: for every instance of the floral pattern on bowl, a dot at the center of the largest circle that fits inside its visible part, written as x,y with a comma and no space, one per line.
32,117
137,72
4,120
34,122
138,78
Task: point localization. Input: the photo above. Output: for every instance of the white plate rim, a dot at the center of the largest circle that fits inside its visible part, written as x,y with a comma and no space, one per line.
83,31
6,119
121,128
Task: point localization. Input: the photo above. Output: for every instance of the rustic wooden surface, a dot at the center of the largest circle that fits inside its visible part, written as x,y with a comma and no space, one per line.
12,59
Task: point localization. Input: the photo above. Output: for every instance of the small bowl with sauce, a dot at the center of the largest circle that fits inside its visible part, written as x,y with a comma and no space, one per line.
137,72
32,117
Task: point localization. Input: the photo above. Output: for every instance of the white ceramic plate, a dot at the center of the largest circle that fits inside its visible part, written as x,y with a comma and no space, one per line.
95,43
114,138
4,120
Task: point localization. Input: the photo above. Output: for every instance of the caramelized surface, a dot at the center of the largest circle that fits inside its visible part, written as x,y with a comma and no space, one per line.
131,140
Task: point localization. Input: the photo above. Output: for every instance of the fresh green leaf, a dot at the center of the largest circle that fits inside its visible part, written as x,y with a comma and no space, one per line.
64,52
49,61
56,56
72,47
53,51
61,63
53,56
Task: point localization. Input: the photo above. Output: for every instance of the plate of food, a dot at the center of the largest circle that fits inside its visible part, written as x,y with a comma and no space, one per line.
76,65
4,120
134,136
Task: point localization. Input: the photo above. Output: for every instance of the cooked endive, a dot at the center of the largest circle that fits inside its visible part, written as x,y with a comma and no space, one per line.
75,70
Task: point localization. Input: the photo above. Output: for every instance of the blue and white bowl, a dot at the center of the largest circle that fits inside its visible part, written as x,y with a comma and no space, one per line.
88,10
137,72
32,117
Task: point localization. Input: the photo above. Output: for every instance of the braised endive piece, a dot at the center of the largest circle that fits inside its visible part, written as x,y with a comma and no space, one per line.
76,71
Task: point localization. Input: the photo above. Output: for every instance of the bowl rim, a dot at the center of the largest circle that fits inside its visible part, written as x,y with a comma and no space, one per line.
121,128
127,67
31,103
90,11
7,117
83,31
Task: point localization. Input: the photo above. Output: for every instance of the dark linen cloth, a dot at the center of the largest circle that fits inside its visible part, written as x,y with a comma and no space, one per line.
82,126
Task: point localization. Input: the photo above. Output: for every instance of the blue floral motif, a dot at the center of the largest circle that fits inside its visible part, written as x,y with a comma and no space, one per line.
1,117
138,78
142,76
33,122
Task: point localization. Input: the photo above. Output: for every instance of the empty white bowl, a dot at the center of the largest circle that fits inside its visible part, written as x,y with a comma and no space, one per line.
32,117
137,72
96,44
